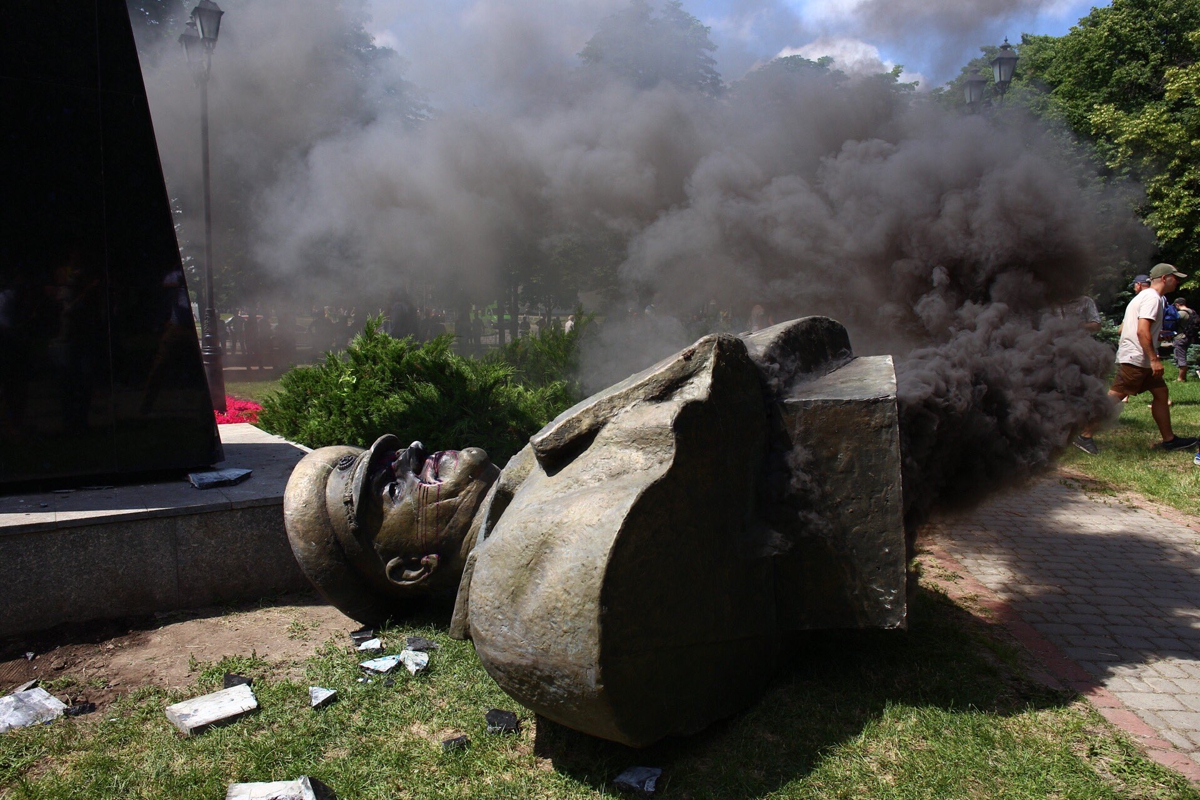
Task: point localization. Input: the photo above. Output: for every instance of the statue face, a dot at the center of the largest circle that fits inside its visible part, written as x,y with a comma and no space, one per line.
419,507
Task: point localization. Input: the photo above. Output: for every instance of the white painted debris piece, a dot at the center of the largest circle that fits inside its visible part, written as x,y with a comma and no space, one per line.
30,707
382,665
303,788
414,660
319,697
193,716
411,659
371,646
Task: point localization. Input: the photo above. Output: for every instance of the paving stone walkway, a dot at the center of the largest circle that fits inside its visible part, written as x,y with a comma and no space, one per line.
1115,587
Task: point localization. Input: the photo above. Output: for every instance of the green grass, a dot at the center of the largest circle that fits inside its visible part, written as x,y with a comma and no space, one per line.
251,390
1127,462
937,711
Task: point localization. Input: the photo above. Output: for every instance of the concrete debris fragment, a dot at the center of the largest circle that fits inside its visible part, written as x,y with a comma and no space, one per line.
211,479
319,697
362,634
30,707
382,665
26,686
199,713
502,721
455,743
414,661
639,780
370,646
233,679
79,709
389,682
303,788
421,644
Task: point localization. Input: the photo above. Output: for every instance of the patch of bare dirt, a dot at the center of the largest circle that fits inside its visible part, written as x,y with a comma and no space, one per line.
108,659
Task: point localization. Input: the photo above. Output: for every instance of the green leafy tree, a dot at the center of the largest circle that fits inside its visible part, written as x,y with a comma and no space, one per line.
645,49
1124,81
1160,142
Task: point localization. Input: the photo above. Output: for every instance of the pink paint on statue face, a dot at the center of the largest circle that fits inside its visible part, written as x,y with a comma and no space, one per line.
425,504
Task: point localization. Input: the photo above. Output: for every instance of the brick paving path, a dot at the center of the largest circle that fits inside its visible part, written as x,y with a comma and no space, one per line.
1112,585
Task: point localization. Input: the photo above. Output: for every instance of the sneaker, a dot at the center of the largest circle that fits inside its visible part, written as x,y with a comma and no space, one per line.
1088,445
1178,443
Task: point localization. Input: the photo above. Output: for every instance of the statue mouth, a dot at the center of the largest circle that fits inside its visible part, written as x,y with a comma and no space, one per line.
394,473
431,470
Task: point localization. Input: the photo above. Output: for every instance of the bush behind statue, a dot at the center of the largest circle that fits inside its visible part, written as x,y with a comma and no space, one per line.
551,356
381,385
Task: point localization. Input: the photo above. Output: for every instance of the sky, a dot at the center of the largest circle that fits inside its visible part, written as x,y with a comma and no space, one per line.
930,38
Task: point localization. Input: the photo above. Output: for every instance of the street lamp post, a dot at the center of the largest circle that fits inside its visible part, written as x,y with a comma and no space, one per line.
1003,67
973,87
198,40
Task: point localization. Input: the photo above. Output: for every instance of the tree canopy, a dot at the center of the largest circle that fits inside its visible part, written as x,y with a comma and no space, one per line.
1126,82
646,49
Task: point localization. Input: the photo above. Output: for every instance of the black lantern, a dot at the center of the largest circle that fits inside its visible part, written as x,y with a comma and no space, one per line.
1003,66
207,15
192,44
973,88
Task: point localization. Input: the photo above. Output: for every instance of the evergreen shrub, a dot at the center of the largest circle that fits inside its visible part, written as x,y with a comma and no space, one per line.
381,385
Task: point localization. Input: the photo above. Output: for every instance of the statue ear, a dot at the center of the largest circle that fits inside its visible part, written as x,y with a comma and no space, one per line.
572,432
408,572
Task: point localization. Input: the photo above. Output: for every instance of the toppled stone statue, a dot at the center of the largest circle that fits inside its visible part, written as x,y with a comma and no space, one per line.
631,572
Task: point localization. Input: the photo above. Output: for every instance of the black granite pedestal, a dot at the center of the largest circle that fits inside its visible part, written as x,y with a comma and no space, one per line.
100,370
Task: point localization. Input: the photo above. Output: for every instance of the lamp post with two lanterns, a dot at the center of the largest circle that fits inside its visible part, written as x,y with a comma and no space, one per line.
199,39
1003,67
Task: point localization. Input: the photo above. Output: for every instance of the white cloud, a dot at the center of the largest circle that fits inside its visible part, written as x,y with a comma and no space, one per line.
852,56
829,11
385,38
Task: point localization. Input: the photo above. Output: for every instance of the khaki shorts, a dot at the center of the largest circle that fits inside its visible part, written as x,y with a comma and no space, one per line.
1133,380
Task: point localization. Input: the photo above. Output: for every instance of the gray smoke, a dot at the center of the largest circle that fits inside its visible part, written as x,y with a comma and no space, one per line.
939,238
944,32
895,19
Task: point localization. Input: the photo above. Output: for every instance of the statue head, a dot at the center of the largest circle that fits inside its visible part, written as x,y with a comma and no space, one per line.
390,523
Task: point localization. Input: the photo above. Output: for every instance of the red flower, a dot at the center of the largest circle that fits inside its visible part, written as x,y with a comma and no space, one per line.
238,411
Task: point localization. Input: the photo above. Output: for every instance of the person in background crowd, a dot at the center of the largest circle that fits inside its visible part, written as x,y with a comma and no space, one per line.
250,331
1083,309
237,331
1185,334
758,318
1139,368
1170,319
570,324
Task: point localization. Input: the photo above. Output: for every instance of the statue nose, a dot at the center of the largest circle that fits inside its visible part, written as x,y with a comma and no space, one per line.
412,459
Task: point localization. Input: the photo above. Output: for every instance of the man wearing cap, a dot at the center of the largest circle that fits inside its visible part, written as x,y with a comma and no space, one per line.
1139,368
1140,282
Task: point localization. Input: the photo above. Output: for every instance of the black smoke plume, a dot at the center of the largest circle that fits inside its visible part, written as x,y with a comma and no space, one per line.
942,239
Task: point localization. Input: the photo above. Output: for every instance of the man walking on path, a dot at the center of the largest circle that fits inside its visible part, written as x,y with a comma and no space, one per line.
1139,368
